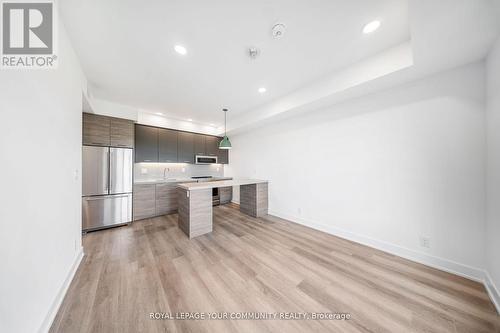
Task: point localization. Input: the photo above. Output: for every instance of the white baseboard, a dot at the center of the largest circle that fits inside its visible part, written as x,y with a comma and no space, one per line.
492,291
62,292
235,202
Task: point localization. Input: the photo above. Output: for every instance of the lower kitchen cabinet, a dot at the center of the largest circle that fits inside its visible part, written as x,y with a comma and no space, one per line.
144,201
225,194
166,199
150,200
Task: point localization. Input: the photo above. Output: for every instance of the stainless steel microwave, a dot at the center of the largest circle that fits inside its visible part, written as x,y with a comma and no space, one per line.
206,159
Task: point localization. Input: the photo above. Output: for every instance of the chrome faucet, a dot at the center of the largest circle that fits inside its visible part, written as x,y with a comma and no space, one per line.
165,172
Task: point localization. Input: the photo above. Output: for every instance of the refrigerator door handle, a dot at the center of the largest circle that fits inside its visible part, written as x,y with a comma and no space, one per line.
105,197
110,179
105,211
108,162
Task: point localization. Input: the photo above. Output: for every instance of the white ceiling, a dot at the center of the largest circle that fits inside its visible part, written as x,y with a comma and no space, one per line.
444,34
126,49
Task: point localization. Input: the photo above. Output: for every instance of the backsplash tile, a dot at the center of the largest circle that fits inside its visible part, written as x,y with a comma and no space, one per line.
155,171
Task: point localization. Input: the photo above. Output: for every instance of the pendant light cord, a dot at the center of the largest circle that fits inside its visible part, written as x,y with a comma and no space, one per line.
225,121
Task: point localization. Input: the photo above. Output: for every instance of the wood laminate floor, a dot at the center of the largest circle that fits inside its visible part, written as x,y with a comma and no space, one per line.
260,265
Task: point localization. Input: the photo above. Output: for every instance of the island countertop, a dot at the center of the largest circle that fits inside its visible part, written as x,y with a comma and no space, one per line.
222,183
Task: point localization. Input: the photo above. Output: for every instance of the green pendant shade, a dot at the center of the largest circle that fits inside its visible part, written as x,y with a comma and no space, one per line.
225,143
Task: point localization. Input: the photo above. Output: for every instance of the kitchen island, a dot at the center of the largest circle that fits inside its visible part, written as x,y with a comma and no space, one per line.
195,203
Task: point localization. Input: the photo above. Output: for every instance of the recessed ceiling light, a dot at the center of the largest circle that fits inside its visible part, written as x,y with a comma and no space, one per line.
190,119
262,90
371,27
159,113
180,49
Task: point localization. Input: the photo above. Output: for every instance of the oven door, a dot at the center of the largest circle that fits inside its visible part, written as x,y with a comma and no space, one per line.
206,159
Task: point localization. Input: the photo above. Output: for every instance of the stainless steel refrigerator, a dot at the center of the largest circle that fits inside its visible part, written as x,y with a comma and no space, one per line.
107,187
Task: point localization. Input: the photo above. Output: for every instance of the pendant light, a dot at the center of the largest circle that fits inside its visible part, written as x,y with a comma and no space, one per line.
225,143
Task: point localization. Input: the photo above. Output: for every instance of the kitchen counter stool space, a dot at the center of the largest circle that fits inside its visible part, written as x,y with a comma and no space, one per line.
195,203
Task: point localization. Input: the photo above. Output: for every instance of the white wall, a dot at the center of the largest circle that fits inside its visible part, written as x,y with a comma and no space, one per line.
111,109
493,168
148,118
384,169
40,193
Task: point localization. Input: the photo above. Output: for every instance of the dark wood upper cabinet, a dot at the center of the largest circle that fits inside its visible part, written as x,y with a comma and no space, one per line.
106,131
122,133
167,146
212,145
185,147
146,144
153,144
223,155
199,144
96,130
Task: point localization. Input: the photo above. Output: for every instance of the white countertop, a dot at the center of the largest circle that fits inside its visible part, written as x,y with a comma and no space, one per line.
178,180
223,183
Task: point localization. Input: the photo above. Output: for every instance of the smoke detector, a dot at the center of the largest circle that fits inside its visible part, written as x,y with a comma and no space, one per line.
253,52
278,30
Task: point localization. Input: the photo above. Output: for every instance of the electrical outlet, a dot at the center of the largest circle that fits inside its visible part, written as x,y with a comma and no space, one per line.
425,242
299,211
144,171
183,170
